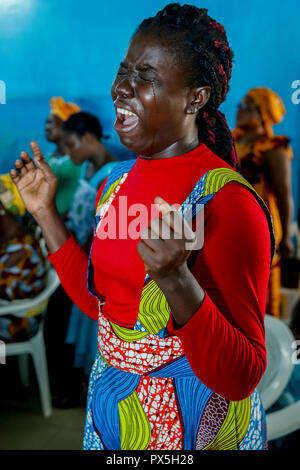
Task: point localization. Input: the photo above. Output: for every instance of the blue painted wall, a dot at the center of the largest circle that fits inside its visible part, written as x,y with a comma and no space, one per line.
72,48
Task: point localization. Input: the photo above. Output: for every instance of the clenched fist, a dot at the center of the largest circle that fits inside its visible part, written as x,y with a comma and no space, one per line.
163,245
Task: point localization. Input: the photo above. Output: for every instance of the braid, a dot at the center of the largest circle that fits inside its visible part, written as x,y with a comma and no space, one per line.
201,45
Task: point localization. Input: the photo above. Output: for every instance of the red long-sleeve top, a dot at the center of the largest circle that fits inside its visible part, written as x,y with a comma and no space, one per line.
224,340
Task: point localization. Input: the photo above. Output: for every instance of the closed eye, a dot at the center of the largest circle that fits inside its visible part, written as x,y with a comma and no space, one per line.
122,72
145,79
141,73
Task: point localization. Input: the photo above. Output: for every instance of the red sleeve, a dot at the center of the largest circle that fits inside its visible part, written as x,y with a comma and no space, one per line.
224,340
71,265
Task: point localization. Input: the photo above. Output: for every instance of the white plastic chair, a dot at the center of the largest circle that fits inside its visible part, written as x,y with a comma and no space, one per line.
34,346
279,341
283,422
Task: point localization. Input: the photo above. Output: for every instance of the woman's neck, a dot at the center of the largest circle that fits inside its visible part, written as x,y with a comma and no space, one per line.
59,151
179,147
251,135
101,156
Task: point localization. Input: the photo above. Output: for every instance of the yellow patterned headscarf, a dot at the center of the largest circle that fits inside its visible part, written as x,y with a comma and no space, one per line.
62,109
270,105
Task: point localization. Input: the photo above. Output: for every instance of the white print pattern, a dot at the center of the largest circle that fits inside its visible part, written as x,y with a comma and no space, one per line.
137,357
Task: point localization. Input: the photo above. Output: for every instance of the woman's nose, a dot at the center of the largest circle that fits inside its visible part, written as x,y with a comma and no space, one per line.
124,88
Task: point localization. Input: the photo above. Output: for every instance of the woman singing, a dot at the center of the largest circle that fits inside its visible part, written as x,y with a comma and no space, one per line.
181,331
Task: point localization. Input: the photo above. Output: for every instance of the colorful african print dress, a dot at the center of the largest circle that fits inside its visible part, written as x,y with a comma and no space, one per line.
143,394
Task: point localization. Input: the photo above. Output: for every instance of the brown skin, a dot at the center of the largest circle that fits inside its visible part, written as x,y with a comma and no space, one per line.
54,133
82,148
249,119
37,187
152,85
279,173
86,147
277,168
167,111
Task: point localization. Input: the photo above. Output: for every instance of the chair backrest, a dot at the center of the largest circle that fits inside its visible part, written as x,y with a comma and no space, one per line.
36,305
279,340
30,307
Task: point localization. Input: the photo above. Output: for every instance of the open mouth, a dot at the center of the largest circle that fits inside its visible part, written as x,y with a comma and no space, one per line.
126,120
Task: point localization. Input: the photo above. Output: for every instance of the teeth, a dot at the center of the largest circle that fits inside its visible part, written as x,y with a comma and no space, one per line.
125,111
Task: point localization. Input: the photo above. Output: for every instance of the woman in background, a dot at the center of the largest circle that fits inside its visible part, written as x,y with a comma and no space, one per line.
82,135
82,140
66,172
265,161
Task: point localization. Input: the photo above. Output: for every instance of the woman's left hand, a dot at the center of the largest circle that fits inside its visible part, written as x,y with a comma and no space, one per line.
166,244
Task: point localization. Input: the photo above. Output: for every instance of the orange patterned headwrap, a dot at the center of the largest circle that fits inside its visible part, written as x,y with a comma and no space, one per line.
270,105
62,109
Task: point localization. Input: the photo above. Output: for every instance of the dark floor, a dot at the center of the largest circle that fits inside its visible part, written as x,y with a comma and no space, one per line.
22,424
27,429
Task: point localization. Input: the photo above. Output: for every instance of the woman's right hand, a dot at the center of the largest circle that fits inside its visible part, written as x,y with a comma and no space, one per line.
37,186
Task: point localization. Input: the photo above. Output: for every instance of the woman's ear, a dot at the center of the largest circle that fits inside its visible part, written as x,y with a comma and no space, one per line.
198,98
86,138
90,141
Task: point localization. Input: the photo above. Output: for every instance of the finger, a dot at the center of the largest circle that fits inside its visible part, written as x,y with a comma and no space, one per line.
163,206
146,253
14,176
40,160
180,226
155,244
174,219
159,229
27,161
37,154
20,167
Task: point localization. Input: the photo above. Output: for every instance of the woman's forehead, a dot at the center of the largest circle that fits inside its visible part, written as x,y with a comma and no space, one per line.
53,119
149,50
248,100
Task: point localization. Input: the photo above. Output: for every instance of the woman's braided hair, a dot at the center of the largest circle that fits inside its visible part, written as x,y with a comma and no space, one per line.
201,46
